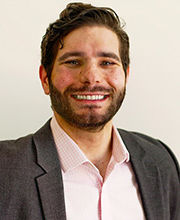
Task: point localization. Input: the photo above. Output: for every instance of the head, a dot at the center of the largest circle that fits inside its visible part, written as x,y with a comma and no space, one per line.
85,59
76,15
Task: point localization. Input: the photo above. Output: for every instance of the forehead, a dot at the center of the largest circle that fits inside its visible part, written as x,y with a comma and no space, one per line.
91,39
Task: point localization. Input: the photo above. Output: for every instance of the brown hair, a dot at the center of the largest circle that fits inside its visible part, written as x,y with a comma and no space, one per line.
76,15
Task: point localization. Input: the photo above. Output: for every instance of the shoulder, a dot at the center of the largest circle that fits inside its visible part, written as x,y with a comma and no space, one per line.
155,150
22,150
21,144
139,137
17,151
16,144
146,143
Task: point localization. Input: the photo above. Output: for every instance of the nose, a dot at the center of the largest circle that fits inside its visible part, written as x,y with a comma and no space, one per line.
90,74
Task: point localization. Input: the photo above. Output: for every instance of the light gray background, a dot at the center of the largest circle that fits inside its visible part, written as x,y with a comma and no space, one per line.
152,104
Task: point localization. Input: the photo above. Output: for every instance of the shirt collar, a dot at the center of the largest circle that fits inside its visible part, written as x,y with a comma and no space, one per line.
119,151
70,154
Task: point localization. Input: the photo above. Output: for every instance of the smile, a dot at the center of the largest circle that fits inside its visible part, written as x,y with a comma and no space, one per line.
90,97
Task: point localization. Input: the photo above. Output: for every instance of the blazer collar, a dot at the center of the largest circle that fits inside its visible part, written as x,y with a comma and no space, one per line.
50,184
147,175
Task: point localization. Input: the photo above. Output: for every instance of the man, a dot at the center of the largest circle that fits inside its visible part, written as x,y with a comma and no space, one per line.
78,165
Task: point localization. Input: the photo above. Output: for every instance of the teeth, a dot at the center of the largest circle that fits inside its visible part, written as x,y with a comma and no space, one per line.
89,97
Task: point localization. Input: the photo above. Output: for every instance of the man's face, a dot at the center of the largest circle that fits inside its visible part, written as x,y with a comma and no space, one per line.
88,81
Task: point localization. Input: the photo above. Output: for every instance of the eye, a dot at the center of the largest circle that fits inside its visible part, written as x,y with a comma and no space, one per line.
107,63
72,62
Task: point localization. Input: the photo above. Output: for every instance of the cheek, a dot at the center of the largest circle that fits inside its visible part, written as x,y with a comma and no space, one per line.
62,79
116,79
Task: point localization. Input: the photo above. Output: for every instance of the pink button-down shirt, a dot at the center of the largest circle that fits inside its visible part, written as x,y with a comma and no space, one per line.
87,195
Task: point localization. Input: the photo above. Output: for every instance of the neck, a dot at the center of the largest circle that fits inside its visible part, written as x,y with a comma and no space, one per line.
96,144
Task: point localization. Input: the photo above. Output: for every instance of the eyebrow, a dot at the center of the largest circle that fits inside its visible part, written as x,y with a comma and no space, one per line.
108,54
71,54
82,54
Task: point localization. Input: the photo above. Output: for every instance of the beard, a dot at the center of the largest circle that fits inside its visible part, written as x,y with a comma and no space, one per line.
91,120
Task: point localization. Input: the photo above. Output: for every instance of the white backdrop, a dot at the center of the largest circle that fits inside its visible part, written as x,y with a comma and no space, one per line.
152,104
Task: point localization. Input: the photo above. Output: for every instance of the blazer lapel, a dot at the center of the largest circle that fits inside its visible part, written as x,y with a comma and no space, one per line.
50,184
147,176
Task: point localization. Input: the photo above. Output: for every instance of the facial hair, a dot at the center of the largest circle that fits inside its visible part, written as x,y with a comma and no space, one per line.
91,121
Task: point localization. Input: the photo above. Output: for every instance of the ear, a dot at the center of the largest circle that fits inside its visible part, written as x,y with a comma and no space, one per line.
127,74
44,79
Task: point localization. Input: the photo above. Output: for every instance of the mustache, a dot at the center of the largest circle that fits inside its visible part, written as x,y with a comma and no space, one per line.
89,89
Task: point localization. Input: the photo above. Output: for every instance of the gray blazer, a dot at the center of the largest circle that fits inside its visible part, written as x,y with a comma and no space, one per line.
31,186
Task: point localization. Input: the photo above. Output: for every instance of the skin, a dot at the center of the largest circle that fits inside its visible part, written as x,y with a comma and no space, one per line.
96,62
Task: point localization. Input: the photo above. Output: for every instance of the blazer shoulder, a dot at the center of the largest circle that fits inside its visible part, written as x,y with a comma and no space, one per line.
16,143
139,137
155,149
17,151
